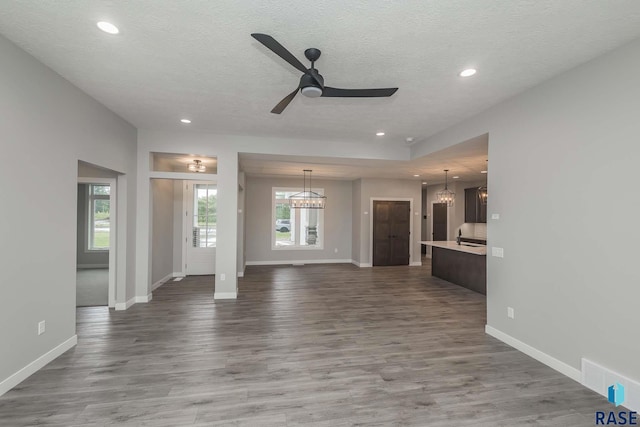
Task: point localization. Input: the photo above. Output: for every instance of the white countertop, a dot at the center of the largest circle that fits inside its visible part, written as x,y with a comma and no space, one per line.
471,248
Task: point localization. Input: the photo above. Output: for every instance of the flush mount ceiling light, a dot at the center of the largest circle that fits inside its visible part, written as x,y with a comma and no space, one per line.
379,133
446,196
185,121
108,27
307,198
196,166
468,72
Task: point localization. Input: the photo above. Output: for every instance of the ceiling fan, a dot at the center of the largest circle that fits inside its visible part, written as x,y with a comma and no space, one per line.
311,82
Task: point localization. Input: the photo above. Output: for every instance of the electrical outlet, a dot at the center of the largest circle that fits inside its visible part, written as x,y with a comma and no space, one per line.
497,252
495,216
223,277
41,327
511,314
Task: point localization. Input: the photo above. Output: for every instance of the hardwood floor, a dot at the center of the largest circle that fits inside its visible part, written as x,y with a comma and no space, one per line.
321,345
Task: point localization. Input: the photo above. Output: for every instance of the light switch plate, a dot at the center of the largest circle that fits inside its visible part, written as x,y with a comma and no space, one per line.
497,252
495,216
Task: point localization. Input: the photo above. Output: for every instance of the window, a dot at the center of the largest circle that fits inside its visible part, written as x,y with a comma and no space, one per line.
204,215
295,228
99,217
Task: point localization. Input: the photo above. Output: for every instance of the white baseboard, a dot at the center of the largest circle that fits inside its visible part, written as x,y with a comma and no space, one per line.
83,266
416,264
550,361
178,274
125,305
240,273
302,261
161,282
36,365
143,298
598,378
225,295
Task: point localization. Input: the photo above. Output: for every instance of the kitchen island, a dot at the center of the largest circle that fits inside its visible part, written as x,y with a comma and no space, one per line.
464,264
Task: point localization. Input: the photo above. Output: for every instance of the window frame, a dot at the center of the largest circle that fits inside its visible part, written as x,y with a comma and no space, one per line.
295,247
91,199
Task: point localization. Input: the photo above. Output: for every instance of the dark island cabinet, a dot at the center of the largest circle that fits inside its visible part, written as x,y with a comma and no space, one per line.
474,210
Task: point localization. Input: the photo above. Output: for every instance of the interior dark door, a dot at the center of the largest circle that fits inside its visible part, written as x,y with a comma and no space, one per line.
391,232
439,221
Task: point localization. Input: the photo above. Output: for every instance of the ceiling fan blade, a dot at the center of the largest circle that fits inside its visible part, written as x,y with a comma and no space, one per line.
285,101
279,50
358,93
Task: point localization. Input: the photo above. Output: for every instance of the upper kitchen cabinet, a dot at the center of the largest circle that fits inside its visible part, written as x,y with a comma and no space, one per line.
474,210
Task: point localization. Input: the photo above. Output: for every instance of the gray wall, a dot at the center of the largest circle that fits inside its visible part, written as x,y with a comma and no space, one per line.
564,159
53,124
388,188
83,256
162,242
259,224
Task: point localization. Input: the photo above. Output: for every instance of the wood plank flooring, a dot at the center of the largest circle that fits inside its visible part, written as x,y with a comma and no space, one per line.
321,345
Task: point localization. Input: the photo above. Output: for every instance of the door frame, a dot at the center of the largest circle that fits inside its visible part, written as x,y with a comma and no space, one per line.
411,215
113,240
186,232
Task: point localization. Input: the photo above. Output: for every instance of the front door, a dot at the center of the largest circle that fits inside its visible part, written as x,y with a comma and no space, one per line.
391,232
200,227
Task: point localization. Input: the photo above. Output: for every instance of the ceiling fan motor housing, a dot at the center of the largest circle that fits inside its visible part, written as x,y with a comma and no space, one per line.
309,87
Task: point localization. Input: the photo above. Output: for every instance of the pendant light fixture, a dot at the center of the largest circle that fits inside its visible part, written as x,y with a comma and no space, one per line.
446,196
197,166
307,199
482,191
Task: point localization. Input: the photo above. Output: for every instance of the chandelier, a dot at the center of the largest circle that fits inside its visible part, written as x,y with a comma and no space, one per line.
446,196
307,199
196,166
482,191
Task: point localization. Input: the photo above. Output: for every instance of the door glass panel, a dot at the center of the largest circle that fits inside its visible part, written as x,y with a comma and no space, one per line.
204,216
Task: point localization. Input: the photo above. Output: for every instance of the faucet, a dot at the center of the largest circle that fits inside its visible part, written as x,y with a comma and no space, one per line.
459,235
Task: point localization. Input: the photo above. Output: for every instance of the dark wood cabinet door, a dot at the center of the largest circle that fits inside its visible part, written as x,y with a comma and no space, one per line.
391,232
474,210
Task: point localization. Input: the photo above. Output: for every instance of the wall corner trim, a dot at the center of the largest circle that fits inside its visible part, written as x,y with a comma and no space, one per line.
225,295
125,305
144,298
550,361
36,365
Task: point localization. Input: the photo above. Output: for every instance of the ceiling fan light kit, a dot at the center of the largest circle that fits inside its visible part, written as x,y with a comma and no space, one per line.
312,83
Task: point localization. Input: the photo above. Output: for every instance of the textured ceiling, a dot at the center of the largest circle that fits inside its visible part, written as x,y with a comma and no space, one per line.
196,59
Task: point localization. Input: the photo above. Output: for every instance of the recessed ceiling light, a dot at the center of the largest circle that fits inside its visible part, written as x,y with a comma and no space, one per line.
108,27
468,72
456,177
424,182
185,121
416,175
379,133
483,171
